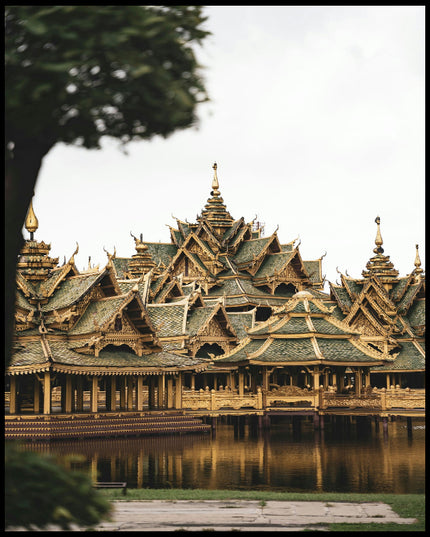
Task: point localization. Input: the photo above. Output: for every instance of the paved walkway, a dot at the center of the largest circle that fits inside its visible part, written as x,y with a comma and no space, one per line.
245,515
240,515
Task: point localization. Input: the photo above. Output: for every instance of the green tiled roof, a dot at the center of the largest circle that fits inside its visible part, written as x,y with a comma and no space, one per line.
22,302
100,310
313,268
168,319
288,350
417,313
287,247
342,350
324,326
121,265
409,358
273,262
197,318
248,249
240,353
407,297
240,322
70,291
28,353
353,286
342,296
163,252
398,289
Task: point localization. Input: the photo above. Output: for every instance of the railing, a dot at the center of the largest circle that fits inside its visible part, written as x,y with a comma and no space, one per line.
216,400
379,399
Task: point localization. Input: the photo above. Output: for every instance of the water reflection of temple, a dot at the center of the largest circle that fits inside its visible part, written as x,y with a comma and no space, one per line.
221,319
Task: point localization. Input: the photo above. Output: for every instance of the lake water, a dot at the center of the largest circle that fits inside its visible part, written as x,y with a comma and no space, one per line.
345,459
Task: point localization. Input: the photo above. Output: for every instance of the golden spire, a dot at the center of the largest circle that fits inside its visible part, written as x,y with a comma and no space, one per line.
31,222
378,240
215,184
418,269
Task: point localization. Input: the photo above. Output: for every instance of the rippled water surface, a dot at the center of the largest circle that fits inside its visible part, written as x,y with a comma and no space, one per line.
352,459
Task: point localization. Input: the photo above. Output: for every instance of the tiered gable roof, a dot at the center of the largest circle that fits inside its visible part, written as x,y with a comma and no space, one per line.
303,331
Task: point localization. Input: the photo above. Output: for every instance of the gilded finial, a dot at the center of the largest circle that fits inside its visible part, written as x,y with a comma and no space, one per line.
31,222
418,269
378,240
215,184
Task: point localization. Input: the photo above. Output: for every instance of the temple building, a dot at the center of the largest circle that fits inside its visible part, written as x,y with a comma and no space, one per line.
389,312
219,307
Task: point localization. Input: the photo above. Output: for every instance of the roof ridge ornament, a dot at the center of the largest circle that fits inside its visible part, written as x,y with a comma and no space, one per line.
215,182
378,239
31,221
417,263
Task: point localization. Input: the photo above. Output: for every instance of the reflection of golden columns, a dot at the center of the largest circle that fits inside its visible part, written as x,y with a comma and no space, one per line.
318,467
94,468
140,469
113,468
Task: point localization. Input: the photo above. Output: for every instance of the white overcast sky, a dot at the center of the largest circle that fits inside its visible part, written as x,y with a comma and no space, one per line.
316,122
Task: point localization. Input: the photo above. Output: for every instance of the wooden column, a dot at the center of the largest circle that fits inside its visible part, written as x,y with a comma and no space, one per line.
170,403
36,397
129,392
388,380
12,397
161,387
241,383
266,376
112,402
316,375
94,393
341,386
193,381
69,393
358,381
139,393
178,391
47,393
122,392
80,394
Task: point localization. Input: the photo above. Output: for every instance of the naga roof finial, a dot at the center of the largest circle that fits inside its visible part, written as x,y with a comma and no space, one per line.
378,239
31,222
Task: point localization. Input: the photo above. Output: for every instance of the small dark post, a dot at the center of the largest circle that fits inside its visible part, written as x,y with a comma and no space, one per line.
316,421
409,426
385,426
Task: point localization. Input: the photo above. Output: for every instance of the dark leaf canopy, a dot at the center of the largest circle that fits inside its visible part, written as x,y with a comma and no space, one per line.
76,73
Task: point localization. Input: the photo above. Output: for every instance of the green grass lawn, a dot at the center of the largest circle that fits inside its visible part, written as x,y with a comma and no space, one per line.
405,505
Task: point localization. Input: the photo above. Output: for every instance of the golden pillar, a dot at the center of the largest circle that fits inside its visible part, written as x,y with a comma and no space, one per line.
112,405
12,396
130,392
193,381
47,393
80,394
36,398
69,395
122,392
266,375
139,393
94,393
358,381
241,383
178,391
316,375
388,380
170,391
161,388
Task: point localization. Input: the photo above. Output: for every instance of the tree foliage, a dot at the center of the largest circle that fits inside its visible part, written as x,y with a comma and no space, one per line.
76,73
39,492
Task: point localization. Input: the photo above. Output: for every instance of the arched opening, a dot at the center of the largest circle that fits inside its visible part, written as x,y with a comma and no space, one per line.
285,289
209,349
117,349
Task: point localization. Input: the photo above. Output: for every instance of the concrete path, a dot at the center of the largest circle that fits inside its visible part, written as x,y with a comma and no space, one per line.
245,515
